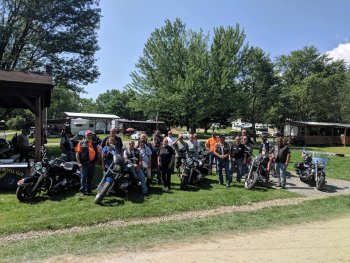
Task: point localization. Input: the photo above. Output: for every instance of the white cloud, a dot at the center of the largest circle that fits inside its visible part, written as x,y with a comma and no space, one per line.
342,51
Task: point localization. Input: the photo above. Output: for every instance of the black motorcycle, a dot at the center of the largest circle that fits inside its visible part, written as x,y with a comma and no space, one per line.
117,179
312,170
49,176
258,172
194,169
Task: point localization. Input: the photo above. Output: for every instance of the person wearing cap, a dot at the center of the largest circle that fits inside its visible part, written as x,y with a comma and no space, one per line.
86,154
238,155
281,154
210,144
118,140
222,153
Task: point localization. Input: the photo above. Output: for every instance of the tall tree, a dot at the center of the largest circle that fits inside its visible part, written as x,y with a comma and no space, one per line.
58,33
62,100
227,54
160,72
258,82
314,84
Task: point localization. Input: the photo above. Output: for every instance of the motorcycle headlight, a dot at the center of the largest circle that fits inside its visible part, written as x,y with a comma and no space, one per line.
189,161
117,168
38,166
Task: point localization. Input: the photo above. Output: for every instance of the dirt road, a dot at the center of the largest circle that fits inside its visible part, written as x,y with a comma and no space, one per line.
313,242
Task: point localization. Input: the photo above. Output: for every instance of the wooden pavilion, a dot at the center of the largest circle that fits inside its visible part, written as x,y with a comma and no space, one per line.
27,90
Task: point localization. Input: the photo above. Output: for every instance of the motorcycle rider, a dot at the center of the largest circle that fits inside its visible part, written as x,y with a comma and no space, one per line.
281,155
86,155
118,140
23,146
181,148
264,148
248,151
133,152
165,159
238,156
192,146
210,144
222,153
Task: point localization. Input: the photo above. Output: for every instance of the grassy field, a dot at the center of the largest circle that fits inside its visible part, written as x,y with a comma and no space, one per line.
110,239
70,209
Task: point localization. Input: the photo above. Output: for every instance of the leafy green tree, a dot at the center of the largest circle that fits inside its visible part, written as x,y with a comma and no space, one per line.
315,85
160,73
227,54
62,100
51,32
87,105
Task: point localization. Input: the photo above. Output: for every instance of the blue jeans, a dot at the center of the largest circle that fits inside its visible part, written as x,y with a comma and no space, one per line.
223,164
86,175
141,176
239,164
281,173
211,160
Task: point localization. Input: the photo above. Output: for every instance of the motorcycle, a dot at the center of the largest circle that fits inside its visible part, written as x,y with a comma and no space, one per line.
50,176
258,172
119,177
194,169
312,170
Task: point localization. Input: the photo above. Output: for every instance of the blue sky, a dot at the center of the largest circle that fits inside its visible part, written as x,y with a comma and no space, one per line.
277,26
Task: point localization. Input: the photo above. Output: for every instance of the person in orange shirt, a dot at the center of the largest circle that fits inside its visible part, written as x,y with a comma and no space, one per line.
211,145
86,155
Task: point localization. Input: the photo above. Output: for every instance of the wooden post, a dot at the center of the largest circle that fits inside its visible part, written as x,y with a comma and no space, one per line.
38,128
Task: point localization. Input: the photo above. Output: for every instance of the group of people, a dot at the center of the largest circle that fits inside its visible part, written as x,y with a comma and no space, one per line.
161,156
238,154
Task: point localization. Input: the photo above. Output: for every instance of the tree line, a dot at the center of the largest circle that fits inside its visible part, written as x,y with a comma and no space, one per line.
184,77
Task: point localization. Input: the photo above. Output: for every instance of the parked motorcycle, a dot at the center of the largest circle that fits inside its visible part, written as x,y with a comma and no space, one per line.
118,178
312,170
258,172
50,176
194,169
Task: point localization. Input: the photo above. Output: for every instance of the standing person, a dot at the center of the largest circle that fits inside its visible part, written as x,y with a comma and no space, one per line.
249,153
171,138
23,146
244,133
165,159
211,145
86,154
238,155
66,145
192,146
264,148
146,159
281,154
130,153
222,153
181,148
118,140
107,153
156,143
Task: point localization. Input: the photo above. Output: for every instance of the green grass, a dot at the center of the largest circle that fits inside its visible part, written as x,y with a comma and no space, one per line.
99,240
70,209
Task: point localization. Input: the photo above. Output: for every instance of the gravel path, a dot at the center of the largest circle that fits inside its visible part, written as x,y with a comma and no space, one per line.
333,188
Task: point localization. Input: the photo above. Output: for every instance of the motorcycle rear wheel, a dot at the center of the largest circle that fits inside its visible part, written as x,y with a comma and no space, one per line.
102,193
24,193
251,180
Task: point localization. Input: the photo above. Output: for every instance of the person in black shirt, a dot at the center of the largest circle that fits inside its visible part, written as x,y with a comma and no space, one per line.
118,140
165,159
238,155
281,155
222,153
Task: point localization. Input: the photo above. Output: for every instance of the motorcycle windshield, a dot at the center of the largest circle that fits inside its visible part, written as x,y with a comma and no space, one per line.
320,161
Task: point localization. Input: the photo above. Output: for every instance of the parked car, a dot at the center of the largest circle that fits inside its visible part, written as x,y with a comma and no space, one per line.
137,134
186,135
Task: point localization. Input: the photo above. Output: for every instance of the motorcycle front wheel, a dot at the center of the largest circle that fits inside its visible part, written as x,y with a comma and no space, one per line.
320,182
102,193
184,182
24,193
251,180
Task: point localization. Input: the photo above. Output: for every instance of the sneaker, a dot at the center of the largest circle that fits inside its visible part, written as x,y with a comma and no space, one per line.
82,194
228,185
283,187
165,189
